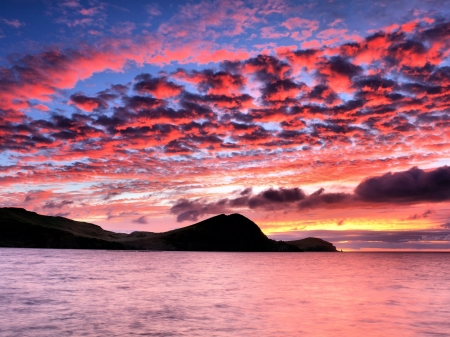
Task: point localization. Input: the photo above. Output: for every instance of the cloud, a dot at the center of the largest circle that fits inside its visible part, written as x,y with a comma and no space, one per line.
153,9
356,239
304,28
270,33
13,23
53,204
273,197
141,220
123,28
414,185
191,210
89,11
282,91
295,22
421,216
338,72
446,225
70,3
35,195
158,87
87,103
213,82
62,214
320,199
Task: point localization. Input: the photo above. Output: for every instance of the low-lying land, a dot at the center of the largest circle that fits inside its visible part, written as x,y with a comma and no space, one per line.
228,233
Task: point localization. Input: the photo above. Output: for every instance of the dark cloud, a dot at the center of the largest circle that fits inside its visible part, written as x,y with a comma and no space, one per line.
322,93
411,186
337,66
267,68
191,210
53,204
157,86
305,58
269,199
62,214
137,103
272,197
420,216
246,191
354,238
110,195
218,100
374,83
322,199
343,67
33,195
180,147
409,48
141,220
88,103
212,82
438,32
441,76
282,90
414,185
446,225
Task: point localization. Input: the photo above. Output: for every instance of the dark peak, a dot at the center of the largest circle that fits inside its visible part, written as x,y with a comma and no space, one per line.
233,221
236,217
16,209
239,216
313,245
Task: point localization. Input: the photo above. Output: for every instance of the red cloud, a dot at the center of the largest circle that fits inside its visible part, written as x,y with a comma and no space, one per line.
158,87
306,27
87,103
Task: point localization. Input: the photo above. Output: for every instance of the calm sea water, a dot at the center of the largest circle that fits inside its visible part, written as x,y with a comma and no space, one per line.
107,293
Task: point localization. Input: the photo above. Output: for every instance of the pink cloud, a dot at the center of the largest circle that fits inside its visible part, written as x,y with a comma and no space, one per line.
70,3
123,28
270,33
294,23
41,107
89,11
212,19
312,44
80,22
153,9
336,22
333,36
13,23
304,28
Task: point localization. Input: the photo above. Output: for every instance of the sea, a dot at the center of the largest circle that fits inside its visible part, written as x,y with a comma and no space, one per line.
46,292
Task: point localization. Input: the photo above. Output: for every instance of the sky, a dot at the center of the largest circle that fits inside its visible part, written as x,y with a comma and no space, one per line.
312,118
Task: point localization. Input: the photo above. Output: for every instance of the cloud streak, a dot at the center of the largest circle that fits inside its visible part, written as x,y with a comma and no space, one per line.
407,187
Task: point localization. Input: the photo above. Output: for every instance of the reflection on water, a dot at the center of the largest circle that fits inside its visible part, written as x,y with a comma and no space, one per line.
106,293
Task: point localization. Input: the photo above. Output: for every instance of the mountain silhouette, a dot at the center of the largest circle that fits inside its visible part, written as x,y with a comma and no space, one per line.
234,232
313,245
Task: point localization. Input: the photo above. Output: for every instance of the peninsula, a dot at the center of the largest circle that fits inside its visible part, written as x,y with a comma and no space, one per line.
228,233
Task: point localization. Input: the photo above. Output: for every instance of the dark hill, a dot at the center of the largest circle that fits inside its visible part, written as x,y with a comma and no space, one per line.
232,232
313,245
21,228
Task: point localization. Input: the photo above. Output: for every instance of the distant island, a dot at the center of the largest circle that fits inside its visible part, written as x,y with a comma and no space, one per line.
225,233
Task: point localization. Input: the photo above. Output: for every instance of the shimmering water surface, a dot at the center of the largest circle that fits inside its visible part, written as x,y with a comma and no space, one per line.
107,293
